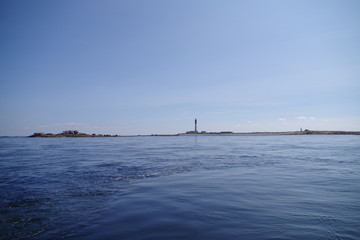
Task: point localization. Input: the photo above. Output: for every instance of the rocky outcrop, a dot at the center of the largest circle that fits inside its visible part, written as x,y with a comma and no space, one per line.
70,133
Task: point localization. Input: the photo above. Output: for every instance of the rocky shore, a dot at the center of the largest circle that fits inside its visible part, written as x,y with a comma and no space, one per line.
70,133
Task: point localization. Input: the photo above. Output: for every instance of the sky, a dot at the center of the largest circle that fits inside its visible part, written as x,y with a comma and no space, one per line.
151,67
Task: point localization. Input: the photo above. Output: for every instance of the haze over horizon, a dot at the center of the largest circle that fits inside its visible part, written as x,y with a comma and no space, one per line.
152,67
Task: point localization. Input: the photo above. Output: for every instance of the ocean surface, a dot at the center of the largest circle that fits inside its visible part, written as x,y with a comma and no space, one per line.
217,187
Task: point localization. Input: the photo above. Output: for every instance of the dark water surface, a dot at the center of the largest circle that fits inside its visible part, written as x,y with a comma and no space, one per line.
238,187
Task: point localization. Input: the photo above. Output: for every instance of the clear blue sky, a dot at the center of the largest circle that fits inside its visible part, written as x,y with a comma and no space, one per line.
143,67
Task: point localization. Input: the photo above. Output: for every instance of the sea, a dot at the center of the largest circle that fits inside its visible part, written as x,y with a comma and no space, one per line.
180,187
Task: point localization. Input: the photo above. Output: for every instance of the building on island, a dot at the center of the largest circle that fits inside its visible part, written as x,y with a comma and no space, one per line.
71,132
195,130
196,126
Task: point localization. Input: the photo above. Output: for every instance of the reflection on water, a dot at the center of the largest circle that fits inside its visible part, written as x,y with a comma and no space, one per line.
279,187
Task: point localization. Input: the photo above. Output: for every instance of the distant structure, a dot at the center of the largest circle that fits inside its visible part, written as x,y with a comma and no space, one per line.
195,130
71,132
196,126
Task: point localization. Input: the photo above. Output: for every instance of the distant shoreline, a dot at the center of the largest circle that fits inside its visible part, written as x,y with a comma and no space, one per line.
307,132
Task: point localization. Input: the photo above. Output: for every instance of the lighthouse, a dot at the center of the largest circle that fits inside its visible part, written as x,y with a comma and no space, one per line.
196,126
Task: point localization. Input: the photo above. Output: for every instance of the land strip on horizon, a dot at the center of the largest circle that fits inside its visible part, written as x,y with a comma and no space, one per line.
306,132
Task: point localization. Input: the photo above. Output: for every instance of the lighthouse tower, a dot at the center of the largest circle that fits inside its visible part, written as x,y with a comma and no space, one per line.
196,126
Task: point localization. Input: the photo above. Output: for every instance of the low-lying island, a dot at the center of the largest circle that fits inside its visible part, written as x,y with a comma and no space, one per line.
75,133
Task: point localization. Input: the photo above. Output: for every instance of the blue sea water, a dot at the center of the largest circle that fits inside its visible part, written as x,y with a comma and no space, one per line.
217,187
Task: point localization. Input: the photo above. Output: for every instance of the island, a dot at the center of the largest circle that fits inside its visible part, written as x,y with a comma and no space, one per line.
70,133
75,133
305,132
